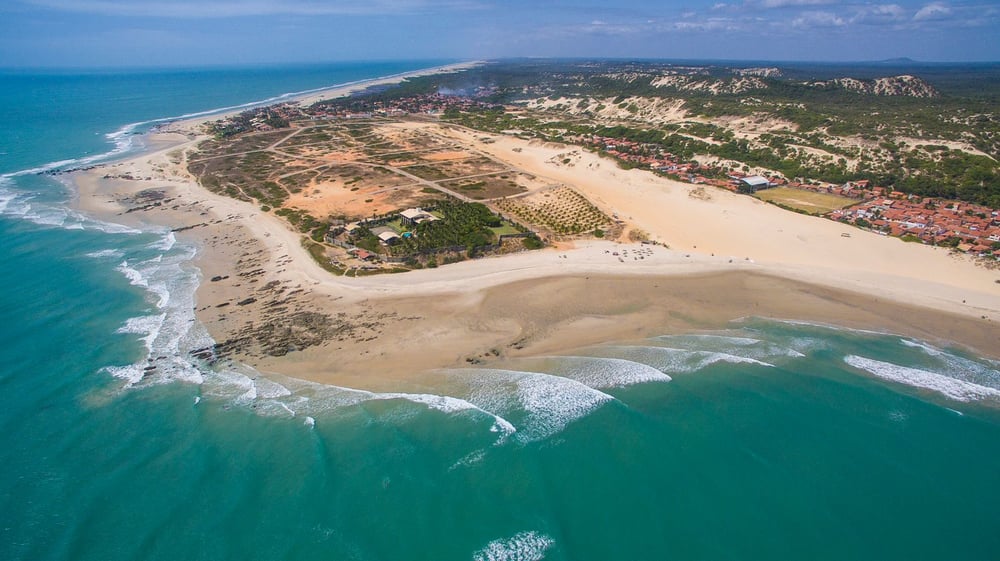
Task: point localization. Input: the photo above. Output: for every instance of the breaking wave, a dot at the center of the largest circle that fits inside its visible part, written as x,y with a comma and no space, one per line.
959,367
603,373
956,389
746,347
25,206
289,397
539,405
523,546
675,361
169,331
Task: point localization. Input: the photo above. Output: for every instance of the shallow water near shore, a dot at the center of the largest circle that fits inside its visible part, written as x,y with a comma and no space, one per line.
769,439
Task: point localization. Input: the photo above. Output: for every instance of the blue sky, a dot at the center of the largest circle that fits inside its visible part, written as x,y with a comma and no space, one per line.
194,32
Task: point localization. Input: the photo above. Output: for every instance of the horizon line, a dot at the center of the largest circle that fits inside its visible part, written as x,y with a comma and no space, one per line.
454,60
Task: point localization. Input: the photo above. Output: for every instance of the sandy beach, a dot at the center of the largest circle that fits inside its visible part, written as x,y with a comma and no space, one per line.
718,258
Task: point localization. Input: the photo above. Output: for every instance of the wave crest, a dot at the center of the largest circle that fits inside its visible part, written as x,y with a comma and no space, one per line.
958,390
523,546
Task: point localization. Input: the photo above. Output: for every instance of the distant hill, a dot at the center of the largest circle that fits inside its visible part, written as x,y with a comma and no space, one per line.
755,79
709,85
904,85
901,61
932,130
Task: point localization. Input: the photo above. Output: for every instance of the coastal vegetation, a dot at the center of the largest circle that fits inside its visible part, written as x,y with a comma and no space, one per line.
929,130
836,137
319,176
561,211
471,226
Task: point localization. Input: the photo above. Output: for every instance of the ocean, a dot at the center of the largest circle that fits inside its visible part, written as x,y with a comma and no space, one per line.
767,440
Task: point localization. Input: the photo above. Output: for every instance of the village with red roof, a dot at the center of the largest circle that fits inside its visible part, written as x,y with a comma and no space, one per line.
963,226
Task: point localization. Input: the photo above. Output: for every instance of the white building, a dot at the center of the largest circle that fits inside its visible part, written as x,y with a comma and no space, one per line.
388,237
414,216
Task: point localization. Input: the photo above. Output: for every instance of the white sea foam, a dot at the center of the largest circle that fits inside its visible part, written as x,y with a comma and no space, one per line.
230,384
112,253
279,396
523,546
712,358
675,361
269,389
132,374
140,276
958,390
727,340
147,326
166,243
954,366
452,405
546,404
602,373
134,277
47,216
318,398
922,346
746,347
470,459
286,408
807,344
123,139
250,387
441,403
171,332
831,327
6,197
15,205
42,168
26,206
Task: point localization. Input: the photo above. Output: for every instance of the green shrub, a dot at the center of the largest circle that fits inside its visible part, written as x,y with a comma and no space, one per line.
532,242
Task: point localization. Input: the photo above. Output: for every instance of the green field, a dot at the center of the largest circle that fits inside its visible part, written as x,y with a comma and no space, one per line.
505,230
806,201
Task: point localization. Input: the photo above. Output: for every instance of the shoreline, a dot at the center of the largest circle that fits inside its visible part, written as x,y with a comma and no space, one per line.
269,305
308,97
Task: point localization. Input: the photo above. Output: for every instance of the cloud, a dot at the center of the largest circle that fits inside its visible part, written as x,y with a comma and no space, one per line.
809,20
774,4
881,14
933,11
649,27
193,9
709,24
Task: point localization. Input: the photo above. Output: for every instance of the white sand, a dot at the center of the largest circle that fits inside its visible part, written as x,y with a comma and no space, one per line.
776,241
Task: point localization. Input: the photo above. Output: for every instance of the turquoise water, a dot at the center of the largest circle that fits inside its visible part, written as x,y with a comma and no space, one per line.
769,440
